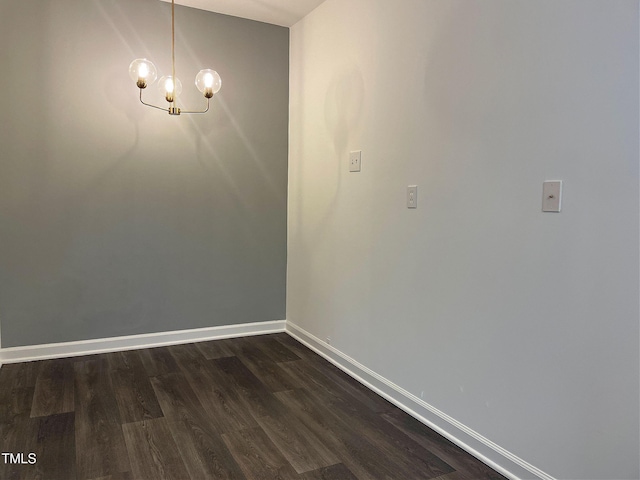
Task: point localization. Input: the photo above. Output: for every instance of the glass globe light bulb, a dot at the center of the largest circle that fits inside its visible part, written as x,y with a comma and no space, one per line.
208,82
169,87
143,72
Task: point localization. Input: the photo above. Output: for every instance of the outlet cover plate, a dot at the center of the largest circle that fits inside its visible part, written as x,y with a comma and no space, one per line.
355,161
552,196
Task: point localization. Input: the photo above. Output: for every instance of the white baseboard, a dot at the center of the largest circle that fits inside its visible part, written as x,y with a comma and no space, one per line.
501,460
133,342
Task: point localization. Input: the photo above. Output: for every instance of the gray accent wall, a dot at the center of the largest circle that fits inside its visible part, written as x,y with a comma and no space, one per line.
117,219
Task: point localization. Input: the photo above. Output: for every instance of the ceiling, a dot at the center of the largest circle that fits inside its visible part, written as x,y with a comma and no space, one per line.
278,12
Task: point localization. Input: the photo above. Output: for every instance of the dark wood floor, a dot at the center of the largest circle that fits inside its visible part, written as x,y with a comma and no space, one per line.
256,408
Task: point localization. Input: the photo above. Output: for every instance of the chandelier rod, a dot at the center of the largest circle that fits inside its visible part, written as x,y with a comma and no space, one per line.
173,47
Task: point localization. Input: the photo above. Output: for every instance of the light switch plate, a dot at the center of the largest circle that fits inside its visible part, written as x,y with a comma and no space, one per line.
355,161
552,196
412,196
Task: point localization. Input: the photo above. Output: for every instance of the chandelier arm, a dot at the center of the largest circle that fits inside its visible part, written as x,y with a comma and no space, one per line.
153,106
203,111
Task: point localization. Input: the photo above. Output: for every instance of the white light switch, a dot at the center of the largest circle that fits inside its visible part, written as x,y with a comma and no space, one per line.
355,160
412,196
552,196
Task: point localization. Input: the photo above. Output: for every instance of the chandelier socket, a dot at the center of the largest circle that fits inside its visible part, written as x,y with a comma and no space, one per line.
143,72
170,87
208,82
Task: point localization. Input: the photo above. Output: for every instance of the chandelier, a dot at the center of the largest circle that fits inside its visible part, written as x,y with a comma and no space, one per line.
144,73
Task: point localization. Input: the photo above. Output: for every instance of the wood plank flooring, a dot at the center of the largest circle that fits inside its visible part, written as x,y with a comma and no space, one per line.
261,407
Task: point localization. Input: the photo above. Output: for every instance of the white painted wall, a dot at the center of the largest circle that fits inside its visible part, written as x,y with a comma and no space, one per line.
520,324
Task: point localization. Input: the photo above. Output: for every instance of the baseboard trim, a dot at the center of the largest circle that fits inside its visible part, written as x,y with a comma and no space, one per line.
134,342
501,460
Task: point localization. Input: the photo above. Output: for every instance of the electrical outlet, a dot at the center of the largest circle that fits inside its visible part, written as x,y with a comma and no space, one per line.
412,196
355,161
422,394
552,196
328,340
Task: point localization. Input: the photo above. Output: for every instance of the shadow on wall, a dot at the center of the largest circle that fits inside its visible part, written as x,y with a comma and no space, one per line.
343,106
342,109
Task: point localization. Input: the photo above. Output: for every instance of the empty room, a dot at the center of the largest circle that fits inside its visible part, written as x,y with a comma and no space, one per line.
320,239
